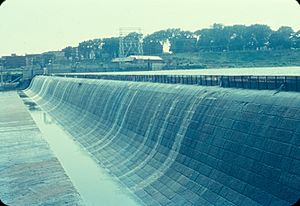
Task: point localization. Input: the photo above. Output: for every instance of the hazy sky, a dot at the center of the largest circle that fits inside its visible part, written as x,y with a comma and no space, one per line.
34,26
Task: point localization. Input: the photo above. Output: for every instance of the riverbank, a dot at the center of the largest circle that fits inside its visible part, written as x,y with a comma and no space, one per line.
233,59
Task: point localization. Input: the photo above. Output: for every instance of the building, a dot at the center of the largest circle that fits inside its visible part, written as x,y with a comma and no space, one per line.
13,61
136,62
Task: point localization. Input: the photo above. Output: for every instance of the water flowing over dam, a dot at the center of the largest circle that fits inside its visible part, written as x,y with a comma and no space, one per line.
183,144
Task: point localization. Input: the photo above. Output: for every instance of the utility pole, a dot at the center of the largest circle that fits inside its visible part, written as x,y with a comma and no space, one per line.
1,70
31,68
49,69
129,45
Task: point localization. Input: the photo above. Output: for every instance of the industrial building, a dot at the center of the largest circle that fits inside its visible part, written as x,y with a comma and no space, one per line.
135,62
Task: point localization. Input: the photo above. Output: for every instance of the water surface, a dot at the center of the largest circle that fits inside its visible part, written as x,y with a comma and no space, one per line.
93,183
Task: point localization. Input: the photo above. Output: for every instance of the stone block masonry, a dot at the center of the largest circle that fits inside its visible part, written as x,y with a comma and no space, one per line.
29,172
183,144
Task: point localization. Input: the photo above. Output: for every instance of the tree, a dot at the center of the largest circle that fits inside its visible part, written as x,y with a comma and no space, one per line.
182,41
89,49
205,40
213,39
257,36
110,47
70,52
282,38
237,37
296,40
153,43
152,46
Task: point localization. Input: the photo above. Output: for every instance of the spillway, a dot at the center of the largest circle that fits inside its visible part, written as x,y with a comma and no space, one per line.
183,144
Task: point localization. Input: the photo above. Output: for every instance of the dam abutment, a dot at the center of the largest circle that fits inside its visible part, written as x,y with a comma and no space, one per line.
174,144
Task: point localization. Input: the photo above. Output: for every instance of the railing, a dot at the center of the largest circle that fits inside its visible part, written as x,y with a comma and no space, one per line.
282,83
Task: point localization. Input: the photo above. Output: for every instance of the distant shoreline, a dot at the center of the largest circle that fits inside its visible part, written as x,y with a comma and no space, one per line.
233,59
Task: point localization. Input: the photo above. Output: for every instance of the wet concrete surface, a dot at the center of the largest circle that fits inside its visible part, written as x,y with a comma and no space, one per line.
30,174
93,183
183,144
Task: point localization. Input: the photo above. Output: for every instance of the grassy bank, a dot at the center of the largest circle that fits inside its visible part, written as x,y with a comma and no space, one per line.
233,59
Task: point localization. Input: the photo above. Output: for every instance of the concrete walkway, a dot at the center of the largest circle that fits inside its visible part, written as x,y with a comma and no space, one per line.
29,172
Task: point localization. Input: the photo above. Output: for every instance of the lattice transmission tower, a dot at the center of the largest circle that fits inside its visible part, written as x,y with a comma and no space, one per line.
130,41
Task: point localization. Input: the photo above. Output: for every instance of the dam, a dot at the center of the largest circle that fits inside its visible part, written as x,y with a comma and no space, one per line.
177,144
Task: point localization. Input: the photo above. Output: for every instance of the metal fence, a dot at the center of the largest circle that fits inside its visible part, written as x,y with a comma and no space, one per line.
283,83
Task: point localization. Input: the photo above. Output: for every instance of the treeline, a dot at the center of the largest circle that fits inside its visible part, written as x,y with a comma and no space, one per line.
218,38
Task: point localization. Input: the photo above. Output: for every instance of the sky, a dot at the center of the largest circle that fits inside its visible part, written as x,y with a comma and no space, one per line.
35,26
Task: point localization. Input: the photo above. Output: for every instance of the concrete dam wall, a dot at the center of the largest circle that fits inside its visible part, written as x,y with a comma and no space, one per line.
183,144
